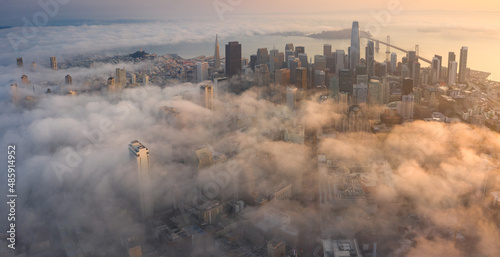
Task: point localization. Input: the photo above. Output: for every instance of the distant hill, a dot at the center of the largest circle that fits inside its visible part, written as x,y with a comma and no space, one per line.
338,34
6,27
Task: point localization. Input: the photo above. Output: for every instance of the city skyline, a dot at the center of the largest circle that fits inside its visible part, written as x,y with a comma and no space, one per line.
243,128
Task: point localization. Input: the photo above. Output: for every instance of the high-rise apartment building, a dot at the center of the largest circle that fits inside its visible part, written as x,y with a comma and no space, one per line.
141,155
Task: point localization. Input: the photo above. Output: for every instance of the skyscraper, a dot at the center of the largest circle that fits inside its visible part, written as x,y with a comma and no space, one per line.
452,73
216,54
20,62
233,59
319,62
303,60
416,73
345,81
301,78
394,62
355,46
370,58
300,50
68,80
207,96
121,77
436,69
440,58
53,63
327,49
339,64
274,60
375,92
408,106
407,86
451,58
293,64
262,56
412,57
201,71
463,64
289,47
141,155
262,75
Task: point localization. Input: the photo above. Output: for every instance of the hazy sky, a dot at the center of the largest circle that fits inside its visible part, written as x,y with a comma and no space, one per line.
12,11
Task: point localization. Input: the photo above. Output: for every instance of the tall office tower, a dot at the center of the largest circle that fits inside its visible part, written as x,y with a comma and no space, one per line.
145,79
330,63
319,62
370,58
301,78
53,63
303,60
282,77
253,61
463,64
14,93
217,54
68,80
375,93
334,86
408,106
355,52
339,63
319,78
293,64
394,62
416,73
452,73
121,77
435,69
300,50
274,62
288,54
451,58
141,154
327,49
24,79
345,81
201,71
20,62
133,79
439,68
405,71
407,86
382,71
262,56
412,57
262,75
360,93
207,96
291,97
386,91
233,59
289,47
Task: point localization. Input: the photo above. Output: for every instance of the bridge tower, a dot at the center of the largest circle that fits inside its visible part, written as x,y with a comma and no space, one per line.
388,49
377,45
417,50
